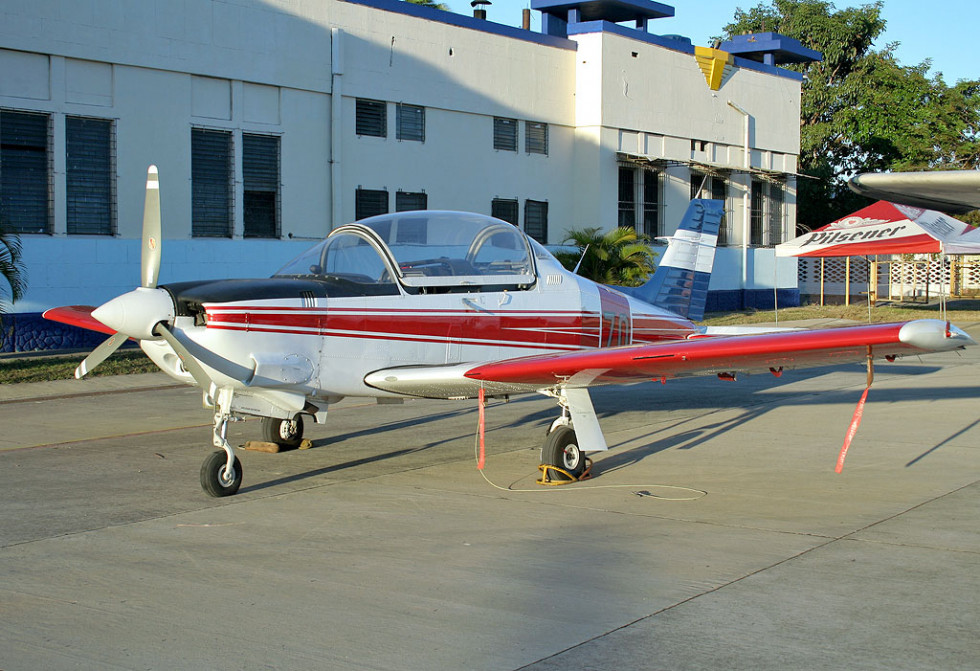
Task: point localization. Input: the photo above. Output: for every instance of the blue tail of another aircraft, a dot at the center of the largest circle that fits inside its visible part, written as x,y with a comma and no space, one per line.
680,284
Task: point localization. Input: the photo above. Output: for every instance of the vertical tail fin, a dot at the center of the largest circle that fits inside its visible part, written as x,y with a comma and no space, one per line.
680,284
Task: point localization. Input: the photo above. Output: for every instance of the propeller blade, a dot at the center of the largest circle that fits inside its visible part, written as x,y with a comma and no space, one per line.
190,364
99,354
150,254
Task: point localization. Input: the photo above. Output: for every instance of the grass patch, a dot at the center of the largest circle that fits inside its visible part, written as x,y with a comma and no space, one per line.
960,312
46,368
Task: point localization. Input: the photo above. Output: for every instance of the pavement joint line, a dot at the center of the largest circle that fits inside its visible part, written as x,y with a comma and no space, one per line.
106,392
112,437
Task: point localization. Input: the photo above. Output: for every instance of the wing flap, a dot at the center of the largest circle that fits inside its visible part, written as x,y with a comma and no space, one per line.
724,354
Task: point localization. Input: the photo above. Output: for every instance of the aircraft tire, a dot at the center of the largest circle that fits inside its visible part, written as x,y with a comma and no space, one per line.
283,432
211,470
562,451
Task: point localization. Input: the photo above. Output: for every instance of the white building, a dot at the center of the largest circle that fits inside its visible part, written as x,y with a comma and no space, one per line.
273,121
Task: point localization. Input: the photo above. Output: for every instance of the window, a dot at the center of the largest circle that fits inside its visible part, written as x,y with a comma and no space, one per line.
505,134
774,216
89,176
506,209
25,172
371,118
211,183
651,203
639,200
757,214
536,220
411,122
406,201
627,197
370,202
536,139
260,175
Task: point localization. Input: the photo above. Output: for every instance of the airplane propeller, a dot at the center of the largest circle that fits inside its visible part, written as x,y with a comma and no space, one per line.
143,313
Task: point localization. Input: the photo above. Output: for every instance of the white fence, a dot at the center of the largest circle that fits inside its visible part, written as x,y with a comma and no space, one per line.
836,280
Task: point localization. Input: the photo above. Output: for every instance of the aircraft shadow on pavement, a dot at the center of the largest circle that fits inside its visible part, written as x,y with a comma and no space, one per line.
754,401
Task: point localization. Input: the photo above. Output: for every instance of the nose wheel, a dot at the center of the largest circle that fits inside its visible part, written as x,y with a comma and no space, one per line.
217,479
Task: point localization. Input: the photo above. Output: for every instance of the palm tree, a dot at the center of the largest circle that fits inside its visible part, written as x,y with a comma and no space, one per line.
621,256
11,268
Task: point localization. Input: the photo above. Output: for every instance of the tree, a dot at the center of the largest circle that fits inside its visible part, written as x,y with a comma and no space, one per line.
430,3
11,270
862,111
620,256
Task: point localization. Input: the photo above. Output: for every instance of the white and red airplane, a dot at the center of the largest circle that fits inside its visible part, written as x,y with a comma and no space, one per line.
449,305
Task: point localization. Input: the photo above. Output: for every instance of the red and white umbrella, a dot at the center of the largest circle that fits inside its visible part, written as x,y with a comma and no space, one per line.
886,228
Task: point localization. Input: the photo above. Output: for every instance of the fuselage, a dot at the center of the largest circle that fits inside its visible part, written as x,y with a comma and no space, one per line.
320,333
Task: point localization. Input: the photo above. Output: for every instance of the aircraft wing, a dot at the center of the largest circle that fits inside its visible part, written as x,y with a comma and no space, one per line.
954,191
78,315
696,356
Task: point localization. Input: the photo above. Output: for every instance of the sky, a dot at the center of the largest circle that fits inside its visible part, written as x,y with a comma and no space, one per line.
942,30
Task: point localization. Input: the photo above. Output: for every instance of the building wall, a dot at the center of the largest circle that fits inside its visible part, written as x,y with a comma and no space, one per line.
294,69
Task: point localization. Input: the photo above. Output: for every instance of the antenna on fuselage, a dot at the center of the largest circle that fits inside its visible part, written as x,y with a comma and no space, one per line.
581,258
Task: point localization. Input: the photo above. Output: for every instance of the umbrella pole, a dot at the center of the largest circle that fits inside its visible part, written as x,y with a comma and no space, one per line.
821,281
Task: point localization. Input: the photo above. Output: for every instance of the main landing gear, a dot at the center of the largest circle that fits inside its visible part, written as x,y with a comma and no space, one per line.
561,452
563,455
283,432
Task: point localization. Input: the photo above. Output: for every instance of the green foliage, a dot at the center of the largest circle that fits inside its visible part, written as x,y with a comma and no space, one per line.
11,268
430,3
862,111
620,257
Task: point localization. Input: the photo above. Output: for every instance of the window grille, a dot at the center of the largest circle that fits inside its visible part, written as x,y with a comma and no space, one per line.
506,209
260,174
25,172
536,220
719,191
536,137
774,217
411,122
89,176
627,197
370,202
504,134
211,183
651,203
757,214
371,117
406,201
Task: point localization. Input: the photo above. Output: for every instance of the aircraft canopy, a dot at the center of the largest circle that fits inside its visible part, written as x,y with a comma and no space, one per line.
426,248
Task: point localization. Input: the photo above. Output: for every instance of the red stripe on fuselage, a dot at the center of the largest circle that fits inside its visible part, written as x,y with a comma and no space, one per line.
559,329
